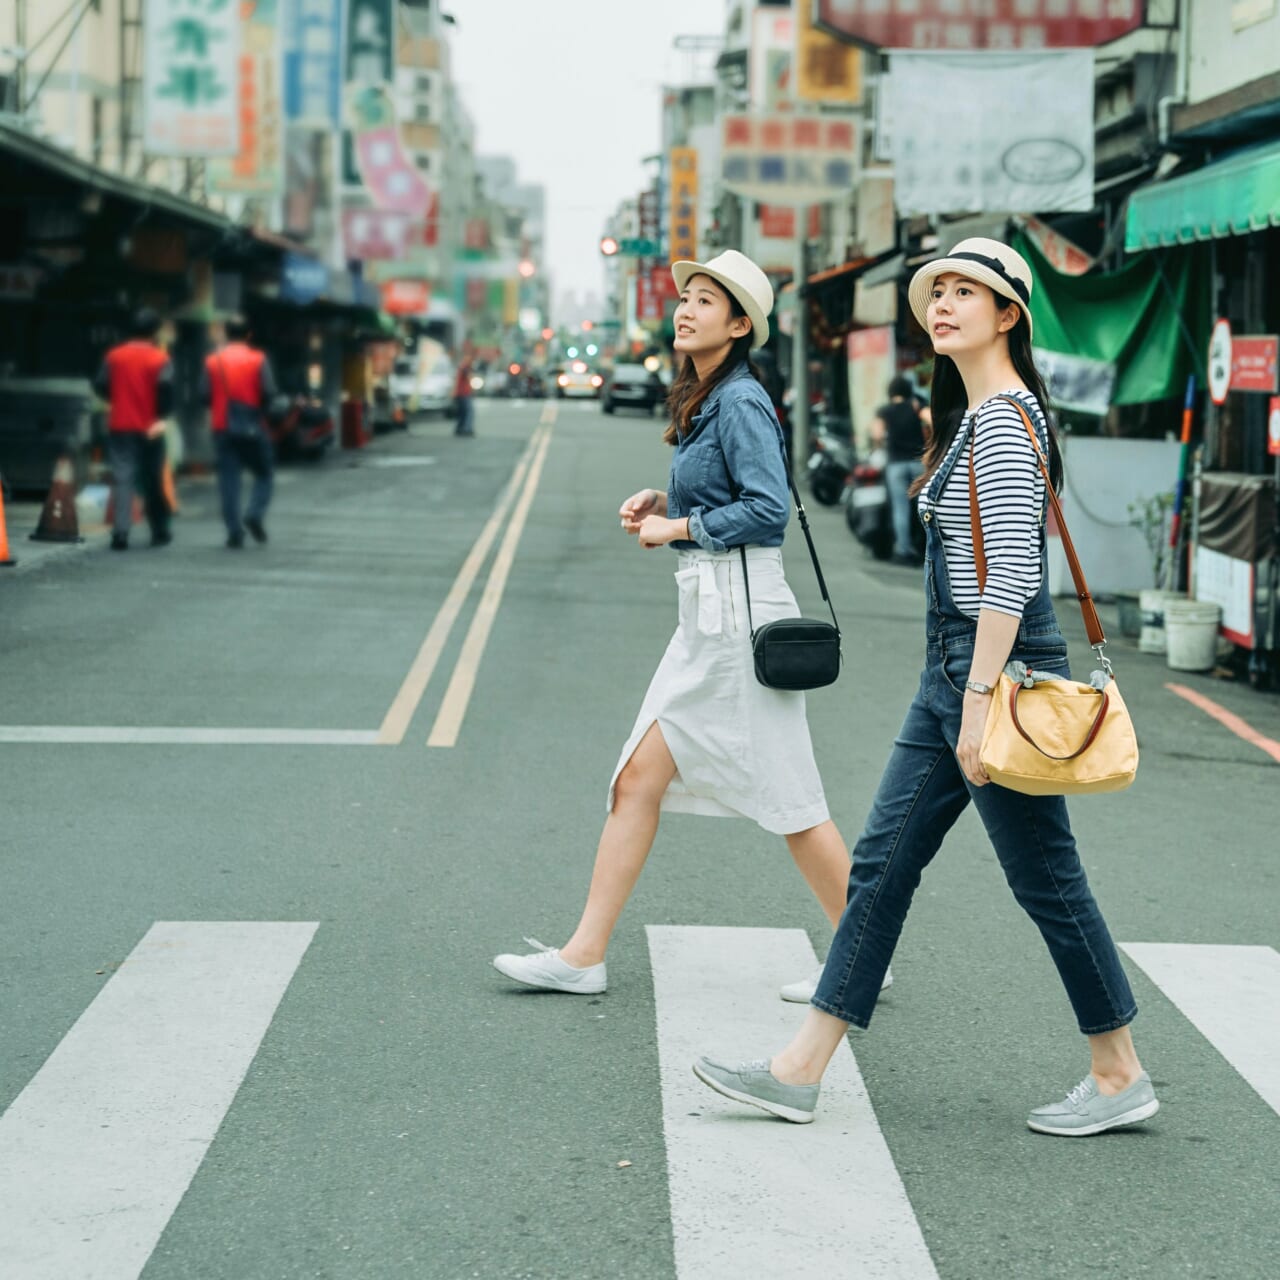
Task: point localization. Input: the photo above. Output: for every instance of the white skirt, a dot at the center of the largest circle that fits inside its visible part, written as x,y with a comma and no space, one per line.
741,750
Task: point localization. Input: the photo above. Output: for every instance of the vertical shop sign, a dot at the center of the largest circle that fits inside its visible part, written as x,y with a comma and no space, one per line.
257,169
313,33
827,70
682,214
370,63
191,49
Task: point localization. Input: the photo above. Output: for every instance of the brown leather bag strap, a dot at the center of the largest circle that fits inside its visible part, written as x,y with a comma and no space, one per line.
1084,746
1092,625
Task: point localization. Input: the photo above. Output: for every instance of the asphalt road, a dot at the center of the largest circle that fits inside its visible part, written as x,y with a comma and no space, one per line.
406,1111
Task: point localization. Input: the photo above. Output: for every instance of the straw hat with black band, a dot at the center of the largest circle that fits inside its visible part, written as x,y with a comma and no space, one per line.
737,274
986,261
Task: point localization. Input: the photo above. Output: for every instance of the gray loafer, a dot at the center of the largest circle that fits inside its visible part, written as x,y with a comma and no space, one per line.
1085,1111
754,1084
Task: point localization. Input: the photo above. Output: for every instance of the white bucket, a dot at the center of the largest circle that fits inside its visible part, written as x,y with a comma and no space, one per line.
1152,603
1191,628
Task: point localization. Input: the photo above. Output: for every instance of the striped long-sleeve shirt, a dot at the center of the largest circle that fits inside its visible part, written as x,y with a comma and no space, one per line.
1011,501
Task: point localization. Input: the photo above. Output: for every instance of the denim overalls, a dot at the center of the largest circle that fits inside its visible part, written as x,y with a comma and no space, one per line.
923,792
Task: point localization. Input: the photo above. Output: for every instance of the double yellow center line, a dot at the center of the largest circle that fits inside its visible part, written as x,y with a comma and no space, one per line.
453,708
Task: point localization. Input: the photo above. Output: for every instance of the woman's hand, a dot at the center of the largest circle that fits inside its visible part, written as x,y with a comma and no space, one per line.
657,531
645,503
973,721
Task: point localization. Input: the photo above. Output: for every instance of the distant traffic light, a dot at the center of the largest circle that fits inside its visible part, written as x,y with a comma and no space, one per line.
588,325
548,334
608,246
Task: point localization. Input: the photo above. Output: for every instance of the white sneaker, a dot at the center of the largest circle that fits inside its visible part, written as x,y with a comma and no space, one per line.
802,992
548,971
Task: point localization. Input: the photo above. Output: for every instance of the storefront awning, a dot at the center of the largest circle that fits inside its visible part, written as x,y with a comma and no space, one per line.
1230,197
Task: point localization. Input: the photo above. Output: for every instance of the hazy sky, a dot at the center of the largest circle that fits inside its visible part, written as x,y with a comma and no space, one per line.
571,90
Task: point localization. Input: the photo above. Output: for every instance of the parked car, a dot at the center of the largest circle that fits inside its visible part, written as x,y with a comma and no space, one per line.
575,379
435,388
632,386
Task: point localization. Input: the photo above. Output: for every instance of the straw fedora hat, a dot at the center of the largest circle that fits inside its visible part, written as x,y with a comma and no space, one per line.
988,262
742,278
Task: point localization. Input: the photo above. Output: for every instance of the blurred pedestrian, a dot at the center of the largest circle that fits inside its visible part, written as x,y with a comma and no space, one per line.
709,737
136,379
974,304
463,395
237,385
898,428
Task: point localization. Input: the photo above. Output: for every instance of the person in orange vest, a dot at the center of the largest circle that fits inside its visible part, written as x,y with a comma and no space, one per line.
237,385
136,379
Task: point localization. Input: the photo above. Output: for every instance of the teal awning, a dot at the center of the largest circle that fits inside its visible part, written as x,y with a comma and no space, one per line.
1230,197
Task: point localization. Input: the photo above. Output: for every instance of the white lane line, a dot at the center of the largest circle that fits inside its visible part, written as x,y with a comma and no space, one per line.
396,722
752,1196
457,697
1232,997
97,1151
183,737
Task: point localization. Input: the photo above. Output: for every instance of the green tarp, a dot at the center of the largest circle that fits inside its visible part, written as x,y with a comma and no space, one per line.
1230,197
1129,318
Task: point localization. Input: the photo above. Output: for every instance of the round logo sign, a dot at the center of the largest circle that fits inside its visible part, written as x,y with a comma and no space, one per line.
1041,161
1220,362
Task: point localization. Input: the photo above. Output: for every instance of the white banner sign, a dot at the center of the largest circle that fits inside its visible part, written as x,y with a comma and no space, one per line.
973,132
190,79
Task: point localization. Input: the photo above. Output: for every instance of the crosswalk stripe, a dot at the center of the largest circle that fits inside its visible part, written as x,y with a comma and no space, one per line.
750,1195
1232,997
98,1149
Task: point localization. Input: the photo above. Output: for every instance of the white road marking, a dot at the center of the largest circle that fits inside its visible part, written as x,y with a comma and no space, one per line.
399,460
396,722
131,735
752,1196
1232,997
457,697
97,1151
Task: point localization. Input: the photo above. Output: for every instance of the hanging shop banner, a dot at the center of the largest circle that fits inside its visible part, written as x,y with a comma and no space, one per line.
1077,382
826,69
978,154
257,169
383,162
191,50
406,297
872,362
369,63
1059,252
979,24
375,235
772,43
313,61
788,159
682,212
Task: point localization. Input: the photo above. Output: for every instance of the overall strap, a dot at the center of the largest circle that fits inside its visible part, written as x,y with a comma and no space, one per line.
1092,626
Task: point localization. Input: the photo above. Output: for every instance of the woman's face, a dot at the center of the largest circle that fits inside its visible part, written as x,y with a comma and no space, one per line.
704,321
963,315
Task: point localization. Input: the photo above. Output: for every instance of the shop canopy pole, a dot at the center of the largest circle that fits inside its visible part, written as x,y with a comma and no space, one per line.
1174,572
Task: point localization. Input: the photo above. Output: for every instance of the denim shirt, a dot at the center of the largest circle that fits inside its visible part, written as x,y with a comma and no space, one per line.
735,434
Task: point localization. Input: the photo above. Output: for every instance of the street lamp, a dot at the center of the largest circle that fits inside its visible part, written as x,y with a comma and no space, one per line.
527,269
608,246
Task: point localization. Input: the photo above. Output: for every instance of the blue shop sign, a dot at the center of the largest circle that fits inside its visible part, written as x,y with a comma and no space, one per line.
313,37
303,279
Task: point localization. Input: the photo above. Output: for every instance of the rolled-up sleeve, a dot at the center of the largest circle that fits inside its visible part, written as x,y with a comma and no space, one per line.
752,445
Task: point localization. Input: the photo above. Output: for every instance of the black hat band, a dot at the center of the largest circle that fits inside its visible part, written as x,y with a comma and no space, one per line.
998,267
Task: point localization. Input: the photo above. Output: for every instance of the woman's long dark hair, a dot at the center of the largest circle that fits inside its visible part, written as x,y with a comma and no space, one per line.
688,392
948,401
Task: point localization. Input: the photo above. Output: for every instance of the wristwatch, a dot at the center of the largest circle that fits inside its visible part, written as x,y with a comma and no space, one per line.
976,686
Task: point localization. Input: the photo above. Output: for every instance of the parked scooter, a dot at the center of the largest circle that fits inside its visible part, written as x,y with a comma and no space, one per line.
831,460
868,511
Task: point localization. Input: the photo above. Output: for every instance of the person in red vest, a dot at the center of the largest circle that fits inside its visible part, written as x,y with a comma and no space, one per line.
136,379
237,385
462,393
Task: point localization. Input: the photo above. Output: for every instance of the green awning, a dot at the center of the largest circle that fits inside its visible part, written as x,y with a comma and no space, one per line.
1230,197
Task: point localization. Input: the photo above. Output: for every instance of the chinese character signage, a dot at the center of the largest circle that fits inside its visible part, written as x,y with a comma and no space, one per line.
190,78
978,154
979,24
313,33
682,212
406,297
826,68
370,63
257,169
789,159
374,235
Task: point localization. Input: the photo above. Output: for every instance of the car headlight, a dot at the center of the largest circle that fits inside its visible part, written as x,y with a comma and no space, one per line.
477,383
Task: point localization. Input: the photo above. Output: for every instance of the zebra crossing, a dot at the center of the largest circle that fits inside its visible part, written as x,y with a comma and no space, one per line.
99,1148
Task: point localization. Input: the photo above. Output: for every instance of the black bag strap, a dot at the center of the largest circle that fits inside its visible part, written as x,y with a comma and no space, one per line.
813,555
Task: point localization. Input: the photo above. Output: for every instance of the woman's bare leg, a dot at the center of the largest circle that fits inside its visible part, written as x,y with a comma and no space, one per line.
805,1059
1114,1061
823,860
624,845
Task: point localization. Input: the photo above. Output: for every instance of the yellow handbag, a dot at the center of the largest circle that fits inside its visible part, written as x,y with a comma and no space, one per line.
1045,735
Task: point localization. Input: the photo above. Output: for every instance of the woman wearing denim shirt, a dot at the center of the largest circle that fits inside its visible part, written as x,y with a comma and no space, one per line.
975,306
709,738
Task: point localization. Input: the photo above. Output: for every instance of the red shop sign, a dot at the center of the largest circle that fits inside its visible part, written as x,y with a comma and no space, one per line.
405,297
1253,363
979,24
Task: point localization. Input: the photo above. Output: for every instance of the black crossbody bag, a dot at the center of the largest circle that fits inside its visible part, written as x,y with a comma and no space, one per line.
795,653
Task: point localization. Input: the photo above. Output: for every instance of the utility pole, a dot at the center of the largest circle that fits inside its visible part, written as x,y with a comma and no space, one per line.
800,353
20,60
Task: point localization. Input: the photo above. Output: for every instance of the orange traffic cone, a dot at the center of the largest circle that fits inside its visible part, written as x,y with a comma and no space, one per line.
5,558
58,520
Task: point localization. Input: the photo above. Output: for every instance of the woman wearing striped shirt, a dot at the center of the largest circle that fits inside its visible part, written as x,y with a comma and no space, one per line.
974,304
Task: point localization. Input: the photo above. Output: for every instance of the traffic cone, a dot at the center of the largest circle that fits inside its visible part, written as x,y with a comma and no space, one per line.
5,558
58,520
